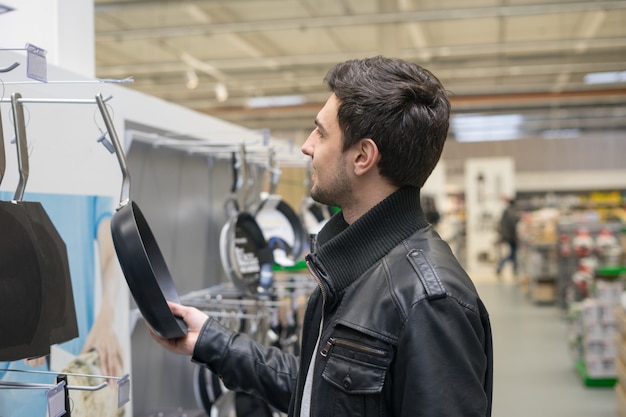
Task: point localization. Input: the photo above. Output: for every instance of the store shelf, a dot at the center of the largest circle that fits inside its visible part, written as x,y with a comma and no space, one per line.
593,382
542,273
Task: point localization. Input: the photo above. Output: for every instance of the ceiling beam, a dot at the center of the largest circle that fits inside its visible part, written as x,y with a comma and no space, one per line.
533,48
404,16
482,100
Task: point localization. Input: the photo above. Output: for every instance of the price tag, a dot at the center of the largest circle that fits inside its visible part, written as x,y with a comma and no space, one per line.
123,390
56,400
36,64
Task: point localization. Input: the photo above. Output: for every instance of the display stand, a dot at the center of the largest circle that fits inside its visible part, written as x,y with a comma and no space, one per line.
271,321
58,394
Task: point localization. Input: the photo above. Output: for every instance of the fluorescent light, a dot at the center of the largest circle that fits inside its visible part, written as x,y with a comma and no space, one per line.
276,101
561,133
605,77
486,128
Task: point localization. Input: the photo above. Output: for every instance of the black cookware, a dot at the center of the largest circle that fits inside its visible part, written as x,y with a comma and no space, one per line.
142,262
58,298
21,293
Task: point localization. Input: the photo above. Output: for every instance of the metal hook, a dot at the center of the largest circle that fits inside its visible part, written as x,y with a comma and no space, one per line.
10,67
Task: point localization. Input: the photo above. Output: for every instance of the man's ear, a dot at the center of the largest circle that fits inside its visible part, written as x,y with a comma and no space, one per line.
366,156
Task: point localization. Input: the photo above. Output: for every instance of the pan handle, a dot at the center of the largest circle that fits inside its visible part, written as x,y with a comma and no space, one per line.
240,178
274,172
121,158
245,177
21,144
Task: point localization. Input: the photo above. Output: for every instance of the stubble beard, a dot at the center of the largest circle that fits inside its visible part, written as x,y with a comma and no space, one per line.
336,193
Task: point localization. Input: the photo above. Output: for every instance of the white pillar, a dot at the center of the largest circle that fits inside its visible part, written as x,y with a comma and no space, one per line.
487,182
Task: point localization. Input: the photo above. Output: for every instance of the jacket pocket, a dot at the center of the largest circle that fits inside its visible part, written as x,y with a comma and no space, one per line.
354,375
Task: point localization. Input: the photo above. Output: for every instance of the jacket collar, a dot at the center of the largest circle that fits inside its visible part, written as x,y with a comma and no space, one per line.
347,251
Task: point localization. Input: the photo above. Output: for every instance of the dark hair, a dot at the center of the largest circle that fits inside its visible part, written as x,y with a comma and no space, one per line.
401,106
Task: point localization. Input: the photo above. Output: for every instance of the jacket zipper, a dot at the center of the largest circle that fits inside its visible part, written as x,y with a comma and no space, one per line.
356,346
313,270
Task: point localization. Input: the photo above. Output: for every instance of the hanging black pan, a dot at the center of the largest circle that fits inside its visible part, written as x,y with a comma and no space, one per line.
21,292
144,267
245,255
58,297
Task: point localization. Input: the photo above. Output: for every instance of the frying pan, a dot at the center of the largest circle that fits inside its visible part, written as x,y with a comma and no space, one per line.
21,292
58,297
280,224
142,262
246,257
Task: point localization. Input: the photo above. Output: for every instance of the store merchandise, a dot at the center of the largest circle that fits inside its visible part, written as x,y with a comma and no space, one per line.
138,252
592,332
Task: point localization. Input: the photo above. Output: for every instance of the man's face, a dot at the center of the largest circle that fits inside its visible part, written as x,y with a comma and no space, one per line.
330,181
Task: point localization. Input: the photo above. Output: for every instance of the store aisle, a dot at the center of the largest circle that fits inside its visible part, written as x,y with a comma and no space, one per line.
533,371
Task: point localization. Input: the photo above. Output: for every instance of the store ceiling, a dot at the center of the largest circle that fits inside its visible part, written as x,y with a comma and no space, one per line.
523,57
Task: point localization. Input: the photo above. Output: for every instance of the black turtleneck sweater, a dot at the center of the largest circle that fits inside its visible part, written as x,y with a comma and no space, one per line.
347,251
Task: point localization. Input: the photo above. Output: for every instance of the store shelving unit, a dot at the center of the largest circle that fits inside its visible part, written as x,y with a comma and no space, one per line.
568,259
596,329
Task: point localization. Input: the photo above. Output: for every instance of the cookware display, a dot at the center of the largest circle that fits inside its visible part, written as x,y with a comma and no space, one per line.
246,257
142,262
280,224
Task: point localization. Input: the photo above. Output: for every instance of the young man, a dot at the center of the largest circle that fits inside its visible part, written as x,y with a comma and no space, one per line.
396,327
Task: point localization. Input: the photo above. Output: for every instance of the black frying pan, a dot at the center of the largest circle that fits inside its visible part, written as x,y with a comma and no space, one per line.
58,297
246,257
144,267
21,292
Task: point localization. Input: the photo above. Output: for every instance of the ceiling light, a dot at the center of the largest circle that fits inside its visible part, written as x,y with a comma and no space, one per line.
276,101
221,92
571,133
192,79
605,77
486,128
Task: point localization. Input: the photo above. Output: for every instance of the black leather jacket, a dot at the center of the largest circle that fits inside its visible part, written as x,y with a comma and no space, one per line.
404,331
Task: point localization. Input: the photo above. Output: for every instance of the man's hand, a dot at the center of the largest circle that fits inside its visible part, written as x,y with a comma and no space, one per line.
194,319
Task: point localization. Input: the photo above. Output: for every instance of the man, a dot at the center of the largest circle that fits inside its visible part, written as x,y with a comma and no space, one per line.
396,327
508,234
